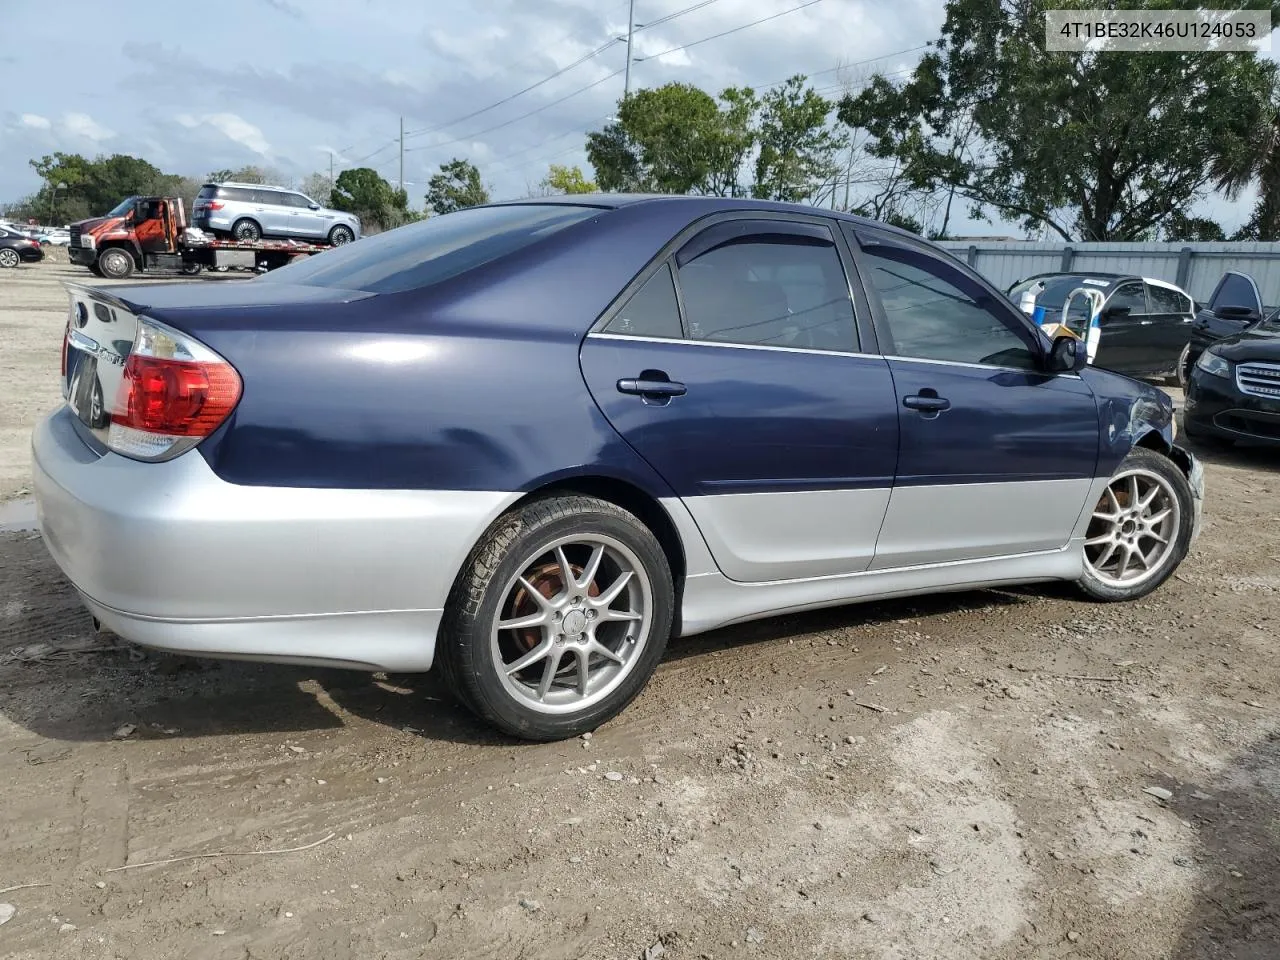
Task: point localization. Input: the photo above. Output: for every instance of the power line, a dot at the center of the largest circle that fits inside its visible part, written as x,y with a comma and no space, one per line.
672,16
717,36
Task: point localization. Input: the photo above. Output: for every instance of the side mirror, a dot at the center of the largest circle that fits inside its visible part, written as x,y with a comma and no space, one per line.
1067,355
313,206
1239,314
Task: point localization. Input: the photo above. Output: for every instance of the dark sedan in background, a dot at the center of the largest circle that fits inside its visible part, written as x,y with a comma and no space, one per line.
16,248
1145,323
1233,385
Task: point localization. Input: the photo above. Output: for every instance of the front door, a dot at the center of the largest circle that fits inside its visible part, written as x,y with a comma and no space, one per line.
733,368
151,226
996,457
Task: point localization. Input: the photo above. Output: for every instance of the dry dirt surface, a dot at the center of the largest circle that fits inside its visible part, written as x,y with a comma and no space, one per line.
981,776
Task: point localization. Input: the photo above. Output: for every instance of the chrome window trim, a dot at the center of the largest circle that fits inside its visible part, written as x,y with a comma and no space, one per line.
687,341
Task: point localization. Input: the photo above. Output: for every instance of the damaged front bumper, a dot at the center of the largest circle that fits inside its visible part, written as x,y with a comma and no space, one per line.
1189,465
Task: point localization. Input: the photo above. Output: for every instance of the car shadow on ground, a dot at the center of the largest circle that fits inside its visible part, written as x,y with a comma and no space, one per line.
1237,817
1245,455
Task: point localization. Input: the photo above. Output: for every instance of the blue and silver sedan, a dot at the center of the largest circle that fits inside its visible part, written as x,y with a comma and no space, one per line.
528,443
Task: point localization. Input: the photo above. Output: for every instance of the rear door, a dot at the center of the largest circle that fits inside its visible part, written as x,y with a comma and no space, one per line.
1123,334
1171,317
734,368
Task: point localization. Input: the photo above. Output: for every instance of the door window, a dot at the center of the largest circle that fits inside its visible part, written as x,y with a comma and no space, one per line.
762,288
934,312
652,310
1236,290
1128,295
295,200
1164,300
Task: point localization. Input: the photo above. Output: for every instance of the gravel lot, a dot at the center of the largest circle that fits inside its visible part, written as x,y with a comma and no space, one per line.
957,777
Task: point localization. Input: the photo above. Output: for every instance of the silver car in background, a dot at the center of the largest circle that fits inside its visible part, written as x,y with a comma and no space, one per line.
251,211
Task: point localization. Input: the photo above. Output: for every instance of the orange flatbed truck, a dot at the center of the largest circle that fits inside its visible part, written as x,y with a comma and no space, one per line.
149,235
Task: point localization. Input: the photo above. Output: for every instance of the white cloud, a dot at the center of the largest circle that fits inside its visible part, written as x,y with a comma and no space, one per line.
232,126
83,125
35,121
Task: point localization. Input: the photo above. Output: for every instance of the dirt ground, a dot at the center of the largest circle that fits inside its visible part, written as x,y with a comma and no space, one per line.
956,777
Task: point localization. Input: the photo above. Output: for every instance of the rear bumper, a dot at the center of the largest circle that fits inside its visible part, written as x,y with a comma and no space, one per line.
31,254
169,556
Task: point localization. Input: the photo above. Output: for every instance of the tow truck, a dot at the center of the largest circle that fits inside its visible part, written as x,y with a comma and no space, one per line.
150,235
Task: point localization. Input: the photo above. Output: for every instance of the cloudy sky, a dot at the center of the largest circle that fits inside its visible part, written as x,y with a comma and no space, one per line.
284,83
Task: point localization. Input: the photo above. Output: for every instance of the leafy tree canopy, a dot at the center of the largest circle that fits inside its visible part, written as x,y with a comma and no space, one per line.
456,186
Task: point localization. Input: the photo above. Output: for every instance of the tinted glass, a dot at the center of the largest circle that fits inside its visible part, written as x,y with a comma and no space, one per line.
295,200
1128,295
207,192
935,312
271,197
121,208
776,292
1164,300
238,194
1236,291
652,310
420,254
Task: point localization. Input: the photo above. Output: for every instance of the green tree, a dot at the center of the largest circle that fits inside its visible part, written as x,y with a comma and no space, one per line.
456,186
75,187
797,146
1094,146
1254,157
366,194
570,180
248,174
1192,229
674,139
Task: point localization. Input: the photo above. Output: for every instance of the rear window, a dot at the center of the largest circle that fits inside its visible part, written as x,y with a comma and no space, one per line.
420,254
207,192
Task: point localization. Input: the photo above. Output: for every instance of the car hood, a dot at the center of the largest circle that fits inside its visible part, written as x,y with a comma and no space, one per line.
1250,345
93,224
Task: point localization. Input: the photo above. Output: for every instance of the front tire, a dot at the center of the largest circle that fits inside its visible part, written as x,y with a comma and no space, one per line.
558,619
9,258
1140,529
246,231
116,264
1183,371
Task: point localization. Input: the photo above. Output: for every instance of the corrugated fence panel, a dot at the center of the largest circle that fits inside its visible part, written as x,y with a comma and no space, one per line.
1197,267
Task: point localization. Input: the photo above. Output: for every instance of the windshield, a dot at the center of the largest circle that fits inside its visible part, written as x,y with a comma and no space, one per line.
121,208
420,254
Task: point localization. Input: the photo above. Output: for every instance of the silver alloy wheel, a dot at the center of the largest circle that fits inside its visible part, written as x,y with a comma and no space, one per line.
1134,526
8,257
572,623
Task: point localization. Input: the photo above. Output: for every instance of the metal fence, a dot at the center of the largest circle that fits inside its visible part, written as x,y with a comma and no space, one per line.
1196,267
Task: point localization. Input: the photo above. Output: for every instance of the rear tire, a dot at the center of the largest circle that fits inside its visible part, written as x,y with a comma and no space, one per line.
116,264
341,234
1140,530
191,269
246,231
589,646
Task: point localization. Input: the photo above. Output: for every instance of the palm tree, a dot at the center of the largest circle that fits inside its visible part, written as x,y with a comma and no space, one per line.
1256,159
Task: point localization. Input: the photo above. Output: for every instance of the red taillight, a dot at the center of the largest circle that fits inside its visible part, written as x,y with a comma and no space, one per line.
214,204
177,398
174,391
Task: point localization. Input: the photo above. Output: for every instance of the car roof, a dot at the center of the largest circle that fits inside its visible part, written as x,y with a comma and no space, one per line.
251,186
1113,279
613,201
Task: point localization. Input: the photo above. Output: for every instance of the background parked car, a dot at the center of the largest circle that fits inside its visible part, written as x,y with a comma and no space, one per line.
1145,323
251,211
1233,386
58,237
16,248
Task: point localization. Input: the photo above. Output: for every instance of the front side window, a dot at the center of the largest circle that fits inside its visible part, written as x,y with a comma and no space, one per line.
770,290
1128,295
652,310
934,312
1236,291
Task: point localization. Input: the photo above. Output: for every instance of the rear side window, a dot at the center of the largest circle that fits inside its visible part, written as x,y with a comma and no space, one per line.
238,194
270,197
652,310
1164,300
420,254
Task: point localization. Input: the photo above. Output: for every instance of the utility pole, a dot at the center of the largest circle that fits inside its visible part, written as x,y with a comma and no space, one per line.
631,29
402,154
331,169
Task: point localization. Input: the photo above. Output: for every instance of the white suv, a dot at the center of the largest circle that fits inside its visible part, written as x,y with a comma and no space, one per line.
251,211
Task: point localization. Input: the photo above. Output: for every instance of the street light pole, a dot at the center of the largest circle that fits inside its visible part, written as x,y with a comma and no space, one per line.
53,195
631,27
